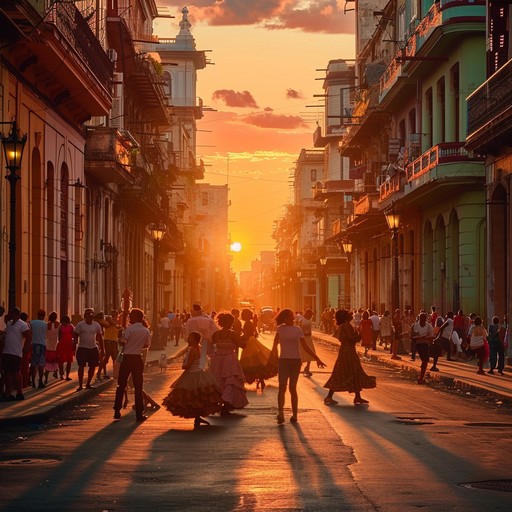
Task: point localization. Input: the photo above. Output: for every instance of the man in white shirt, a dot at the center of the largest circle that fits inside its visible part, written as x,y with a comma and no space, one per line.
204,325
422,333
445,335
375,329
17,339
89,334
135,338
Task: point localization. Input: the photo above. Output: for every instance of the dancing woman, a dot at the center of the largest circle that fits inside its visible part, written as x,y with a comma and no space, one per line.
290,338
348,374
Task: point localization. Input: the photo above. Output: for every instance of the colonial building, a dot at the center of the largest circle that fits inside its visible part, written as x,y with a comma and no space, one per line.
489,134
107,200
54,76
409,133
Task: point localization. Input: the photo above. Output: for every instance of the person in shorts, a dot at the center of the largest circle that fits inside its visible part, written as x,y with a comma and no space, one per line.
38,328
89,336
111,347
17,339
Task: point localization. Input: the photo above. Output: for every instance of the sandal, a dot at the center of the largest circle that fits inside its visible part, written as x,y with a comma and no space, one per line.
280,418
329,401
293,419
360,401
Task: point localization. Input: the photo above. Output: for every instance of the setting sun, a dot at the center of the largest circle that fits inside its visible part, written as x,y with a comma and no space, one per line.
236,246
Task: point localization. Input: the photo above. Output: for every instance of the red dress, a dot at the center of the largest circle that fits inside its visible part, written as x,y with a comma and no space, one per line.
366,333
65,345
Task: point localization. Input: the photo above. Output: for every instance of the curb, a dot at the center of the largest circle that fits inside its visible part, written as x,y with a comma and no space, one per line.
46,412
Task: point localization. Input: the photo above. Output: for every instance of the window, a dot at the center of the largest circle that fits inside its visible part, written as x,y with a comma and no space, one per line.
204,198
313,175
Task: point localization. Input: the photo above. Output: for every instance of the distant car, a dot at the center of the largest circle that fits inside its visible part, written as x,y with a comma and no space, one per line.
266,321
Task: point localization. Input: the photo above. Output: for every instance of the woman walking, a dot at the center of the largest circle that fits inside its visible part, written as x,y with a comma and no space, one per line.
290,338
348,374
65,347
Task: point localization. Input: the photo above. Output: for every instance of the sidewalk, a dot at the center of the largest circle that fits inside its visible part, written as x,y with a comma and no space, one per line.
40,404
454,374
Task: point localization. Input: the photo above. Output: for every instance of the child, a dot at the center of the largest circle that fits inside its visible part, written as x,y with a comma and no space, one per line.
194,393
163,363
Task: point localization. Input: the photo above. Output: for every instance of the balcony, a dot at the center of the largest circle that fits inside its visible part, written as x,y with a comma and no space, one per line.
368,118
429,40
332,188
194,170
146,85
447,165
392,185
490,113
109,155
333,133
139,201
438,162
62,58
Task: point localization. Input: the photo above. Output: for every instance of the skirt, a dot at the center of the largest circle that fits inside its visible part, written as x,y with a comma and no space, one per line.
194,394
256,361
348,374
52,361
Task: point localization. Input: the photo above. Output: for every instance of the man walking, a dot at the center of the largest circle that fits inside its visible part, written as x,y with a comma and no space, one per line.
89,334
375,329
38,358
135,338
17,339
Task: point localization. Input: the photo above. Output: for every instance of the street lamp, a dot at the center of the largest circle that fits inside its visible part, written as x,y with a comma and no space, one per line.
347,246
323,296
347,249
157,233
393,220
13,145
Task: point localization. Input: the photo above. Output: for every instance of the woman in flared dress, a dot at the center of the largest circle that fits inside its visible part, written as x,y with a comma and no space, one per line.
348,374
195,393
256,360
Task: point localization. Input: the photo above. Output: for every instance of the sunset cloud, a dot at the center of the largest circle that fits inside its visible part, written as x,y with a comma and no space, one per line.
307,15
232,98
292,94
268,119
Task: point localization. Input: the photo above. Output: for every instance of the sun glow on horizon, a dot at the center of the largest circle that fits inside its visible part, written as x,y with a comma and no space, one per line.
236,246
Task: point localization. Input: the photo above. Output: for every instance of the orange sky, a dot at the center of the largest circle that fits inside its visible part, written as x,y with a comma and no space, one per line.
265,55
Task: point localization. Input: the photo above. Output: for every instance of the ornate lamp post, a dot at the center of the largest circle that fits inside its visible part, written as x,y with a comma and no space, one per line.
323,288
393,220
157,233
347,249
13,146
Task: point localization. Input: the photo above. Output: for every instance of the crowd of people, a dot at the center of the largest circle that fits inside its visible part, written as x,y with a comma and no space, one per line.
223,352
32,350
431,336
